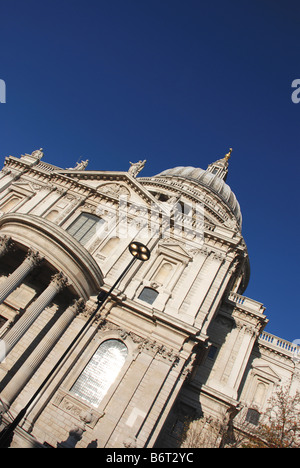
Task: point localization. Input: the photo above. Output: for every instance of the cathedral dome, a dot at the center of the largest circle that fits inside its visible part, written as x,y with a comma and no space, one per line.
212,178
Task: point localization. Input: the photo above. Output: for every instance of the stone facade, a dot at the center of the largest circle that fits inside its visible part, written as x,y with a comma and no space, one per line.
176,338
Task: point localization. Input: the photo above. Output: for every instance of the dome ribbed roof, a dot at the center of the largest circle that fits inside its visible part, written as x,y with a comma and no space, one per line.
209,180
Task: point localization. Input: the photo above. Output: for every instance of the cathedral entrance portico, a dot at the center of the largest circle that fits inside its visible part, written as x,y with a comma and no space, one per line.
59,249
59,275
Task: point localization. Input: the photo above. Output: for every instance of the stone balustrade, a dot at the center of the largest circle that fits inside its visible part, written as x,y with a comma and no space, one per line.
289,348
246,302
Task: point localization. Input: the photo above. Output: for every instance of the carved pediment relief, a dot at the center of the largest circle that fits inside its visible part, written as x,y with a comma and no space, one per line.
113,184
114,189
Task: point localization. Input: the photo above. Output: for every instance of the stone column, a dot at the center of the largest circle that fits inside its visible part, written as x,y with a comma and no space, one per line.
40,353
5,243
15,279
12,337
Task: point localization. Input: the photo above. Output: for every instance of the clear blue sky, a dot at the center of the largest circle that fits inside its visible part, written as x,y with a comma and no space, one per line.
176,83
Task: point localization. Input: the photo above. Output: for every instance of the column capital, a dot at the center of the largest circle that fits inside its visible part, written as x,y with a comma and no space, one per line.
59,280
5,244
77,306
34,257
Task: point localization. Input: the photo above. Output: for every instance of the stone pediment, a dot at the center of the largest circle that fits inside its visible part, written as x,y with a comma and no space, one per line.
266,371
113,184
174,249
24,188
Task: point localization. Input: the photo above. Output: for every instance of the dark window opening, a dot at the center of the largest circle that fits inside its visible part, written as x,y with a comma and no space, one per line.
252,416
148,295
212,352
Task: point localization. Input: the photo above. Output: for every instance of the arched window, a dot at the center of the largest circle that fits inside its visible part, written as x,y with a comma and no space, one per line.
260,393
52,215
10,204
163,273
148,295
84,227
100,372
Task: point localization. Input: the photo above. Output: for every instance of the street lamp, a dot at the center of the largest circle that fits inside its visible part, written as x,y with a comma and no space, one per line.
139,252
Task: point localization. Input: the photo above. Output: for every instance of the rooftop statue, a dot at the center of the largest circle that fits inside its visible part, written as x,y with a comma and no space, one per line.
80,166
135,168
